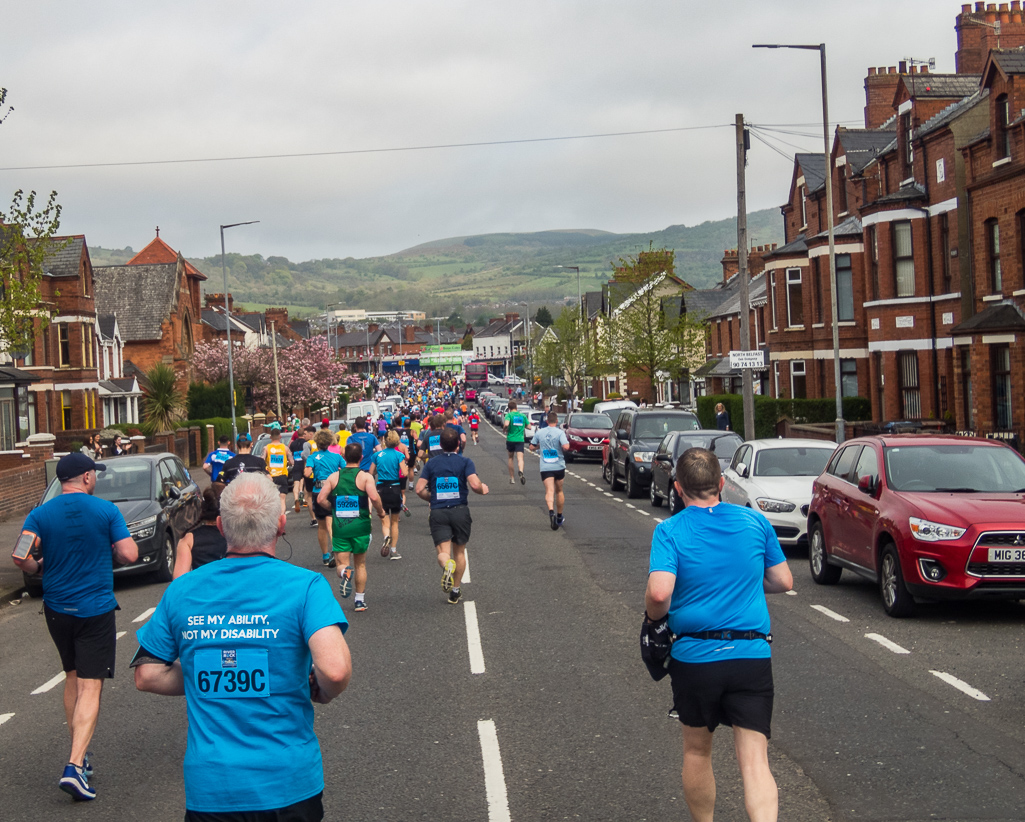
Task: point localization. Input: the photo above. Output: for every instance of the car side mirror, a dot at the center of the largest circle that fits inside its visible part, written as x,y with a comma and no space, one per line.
663,458
867,485
742,470
623,434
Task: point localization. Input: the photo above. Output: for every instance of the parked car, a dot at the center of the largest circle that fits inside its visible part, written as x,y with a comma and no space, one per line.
159,502
774,477
534,419
934,517
494,379
512,379
723,444
611,408
496,410
261,444
588,433
632,443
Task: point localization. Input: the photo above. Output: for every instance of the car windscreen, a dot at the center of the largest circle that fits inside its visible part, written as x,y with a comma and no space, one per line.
792,462
656,426
724,446
125,479
599,421
959,468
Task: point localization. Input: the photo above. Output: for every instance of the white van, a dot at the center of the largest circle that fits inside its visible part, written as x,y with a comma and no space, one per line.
612,407
361,409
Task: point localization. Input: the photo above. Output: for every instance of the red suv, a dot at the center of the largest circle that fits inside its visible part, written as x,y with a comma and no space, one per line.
588,434
934,517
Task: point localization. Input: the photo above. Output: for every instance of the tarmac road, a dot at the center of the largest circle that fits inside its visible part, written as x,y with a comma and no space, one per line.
860,732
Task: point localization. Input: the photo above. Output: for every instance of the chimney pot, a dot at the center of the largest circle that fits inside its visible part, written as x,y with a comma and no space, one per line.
1015,5
903,66
924,70
871,71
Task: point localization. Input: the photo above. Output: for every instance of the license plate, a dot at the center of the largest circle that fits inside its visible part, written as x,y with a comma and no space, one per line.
594,447
1007,554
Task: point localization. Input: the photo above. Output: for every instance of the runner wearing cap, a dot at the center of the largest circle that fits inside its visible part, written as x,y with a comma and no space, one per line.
76,538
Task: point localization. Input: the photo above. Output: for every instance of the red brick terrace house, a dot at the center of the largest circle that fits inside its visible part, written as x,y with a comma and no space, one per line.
156,299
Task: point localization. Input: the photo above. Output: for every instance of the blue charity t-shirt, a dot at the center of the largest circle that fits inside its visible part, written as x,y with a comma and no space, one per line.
719,556
76,533
387,462
241,629
369,443
446,475
216,460
323,465
549,442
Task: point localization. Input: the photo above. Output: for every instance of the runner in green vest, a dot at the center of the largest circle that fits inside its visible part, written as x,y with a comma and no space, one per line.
515,424
348,494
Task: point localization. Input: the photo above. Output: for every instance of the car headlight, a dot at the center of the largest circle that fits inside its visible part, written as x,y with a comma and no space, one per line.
574,438
927,531
643,456
775,506
143,528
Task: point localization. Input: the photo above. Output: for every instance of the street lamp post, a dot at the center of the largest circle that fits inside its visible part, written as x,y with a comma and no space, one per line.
575,268
530,360
227,325
821,49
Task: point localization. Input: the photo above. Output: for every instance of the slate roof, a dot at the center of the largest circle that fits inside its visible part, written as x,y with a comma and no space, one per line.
851,227
813,166
126,384
906,193
706,369
949,113
219,322
592,304
862,146
63,262
999,317
106,323
499,327
941,86
301,327
8,373
731,304
140,295
795,246
702,303
1011,62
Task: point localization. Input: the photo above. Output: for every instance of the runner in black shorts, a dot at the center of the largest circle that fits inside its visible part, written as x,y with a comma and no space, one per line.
86,645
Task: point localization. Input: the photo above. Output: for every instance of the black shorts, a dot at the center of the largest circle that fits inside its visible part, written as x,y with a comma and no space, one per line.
732,692
86,645
319,511
284,486
308,484
555,475
513,447
391,497
309,810
295,473
451,524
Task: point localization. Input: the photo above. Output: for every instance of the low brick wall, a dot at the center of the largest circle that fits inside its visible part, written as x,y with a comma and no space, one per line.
22,479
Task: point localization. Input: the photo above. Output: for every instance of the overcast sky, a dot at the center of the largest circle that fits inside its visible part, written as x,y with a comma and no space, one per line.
116,82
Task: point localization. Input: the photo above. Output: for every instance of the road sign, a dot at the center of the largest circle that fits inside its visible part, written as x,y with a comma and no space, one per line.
747,359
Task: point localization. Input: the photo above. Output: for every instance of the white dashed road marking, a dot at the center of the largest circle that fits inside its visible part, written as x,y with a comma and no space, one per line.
494,776
791,593
628,505
120,634
49,686
473,638
145,615
466,572
5,717
607,493
961,685
890,646
831,614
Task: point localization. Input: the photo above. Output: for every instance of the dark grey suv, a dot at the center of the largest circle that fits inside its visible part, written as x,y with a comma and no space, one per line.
632,443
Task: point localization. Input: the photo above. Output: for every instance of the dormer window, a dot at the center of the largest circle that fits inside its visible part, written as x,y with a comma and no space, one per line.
1003,133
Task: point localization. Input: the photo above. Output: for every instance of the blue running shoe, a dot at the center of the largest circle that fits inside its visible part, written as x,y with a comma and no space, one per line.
87,766
73,782
561,520
326,559
345,584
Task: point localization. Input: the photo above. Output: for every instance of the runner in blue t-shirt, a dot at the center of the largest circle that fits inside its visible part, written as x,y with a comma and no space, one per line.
711,567
389,467
214,462
446,482
237,638
366,440
320,465
551,442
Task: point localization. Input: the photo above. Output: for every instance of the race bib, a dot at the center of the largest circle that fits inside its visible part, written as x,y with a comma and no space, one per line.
549,455
231,673
434,443
346,507
446,488
277,460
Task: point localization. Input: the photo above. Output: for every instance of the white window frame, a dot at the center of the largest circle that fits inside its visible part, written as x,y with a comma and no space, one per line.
800,285
798,372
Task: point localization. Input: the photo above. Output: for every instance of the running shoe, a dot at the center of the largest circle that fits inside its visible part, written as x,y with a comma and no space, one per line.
386,545
553,519
394,554
512,481
523,479
561,519
454,597
73,781
87,766
361,605
345,583
448,578
298,506
326,558
405,510
313,523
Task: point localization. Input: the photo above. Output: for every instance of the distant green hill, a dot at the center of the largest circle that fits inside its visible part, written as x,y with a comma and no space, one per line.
472,274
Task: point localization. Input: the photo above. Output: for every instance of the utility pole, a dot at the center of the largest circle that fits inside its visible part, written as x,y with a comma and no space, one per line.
745,281
277,384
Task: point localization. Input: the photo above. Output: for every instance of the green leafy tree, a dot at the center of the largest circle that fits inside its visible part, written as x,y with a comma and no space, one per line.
163,404
571,357
543,317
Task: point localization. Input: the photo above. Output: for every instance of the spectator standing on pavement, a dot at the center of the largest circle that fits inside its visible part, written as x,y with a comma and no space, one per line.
711,566
515,425
93,448
722,417
76,538
551,441
251,752
204,543
445,483
214,462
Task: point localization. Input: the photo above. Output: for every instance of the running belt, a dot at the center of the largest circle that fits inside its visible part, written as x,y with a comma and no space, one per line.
730,635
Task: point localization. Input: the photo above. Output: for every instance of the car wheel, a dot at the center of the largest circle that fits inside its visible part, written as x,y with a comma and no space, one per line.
821,571
34,588
615,482
569,458
165,562
606,473
656,500
674,501
897,601
632,491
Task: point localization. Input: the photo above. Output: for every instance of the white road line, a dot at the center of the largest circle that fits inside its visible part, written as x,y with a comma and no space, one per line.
120,634
644,512
791,593
629,505
144,615
5,717
659,519
962,686
591,484
49,686
473,638
607,493
494,776
890,646
466,572
831,614
617,499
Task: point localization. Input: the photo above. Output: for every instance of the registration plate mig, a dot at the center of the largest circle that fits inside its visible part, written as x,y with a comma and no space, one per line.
1007,554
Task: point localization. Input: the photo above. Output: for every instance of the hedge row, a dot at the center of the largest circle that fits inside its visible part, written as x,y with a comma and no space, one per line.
590,403
769,411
